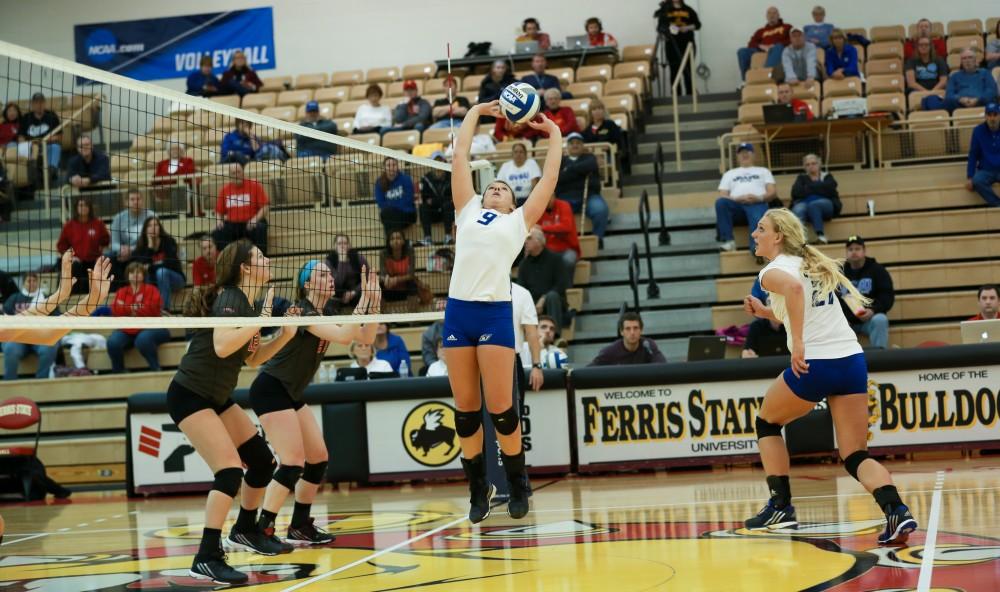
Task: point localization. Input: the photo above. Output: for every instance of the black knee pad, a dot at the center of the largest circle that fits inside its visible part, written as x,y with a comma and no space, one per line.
506,422
314,472
228,481
288,476
765,429
467,422
259,461
854,460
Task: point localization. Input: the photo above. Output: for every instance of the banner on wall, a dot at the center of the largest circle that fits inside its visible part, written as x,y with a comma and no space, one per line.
418,436
171,47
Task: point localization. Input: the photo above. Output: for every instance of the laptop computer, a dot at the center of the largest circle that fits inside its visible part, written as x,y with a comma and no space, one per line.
981,331
778,114
706,347
526,47
378,375
773,344
577,41
349,374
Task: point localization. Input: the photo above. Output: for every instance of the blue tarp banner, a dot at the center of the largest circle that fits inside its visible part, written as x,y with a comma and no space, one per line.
156,49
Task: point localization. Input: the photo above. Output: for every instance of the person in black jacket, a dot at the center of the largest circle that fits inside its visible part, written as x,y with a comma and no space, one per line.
873,281
677,22
580,170
814,196
631,348
88,167
435,201
498,78
346,263
157,250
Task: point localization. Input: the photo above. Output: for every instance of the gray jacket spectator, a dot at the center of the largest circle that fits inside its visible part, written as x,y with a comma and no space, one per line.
543,273
126,227
631,348
88,167
428,343
414,112
580,170
306,146
798,60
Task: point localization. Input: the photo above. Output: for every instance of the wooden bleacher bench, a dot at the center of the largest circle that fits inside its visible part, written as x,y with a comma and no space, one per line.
76,418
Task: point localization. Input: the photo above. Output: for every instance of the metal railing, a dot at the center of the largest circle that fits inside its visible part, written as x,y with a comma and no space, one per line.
652,290
633,273
664,236
687,60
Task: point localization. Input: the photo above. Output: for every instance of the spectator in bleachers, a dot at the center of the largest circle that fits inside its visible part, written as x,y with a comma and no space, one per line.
6,195
435,201
600,128
538,78
240,78
814,196
372,117
819,31
841,57
10,125
759,329
800,108
88,166
30,294
579,181
126,228
873,281
241,144
242,208
395,197
983,169
203,82
176,163
346,263
520,173
157,251
306,146
532,31
506,130
87,236
399,268
988,297
926,70
8,287
36,125
744,192
772,38
446,113
798,60
598,38
432,335
559,225
492,84
631,347
550,355
677,22
969,86
543,273
391,348
414,112
438,367
924,30
136,299
203,268
993,48
363,356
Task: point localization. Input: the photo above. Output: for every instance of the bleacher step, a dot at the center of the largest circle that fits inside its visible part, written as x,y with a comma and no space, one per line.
647,146
681,241
687,320
671,294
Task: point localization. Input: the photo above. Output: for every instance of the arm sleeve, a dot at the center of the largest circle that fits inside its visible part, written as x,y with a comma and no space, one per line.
755,39
63,244
799,188
227,144
118,306
655,353
105,238
811,69
192,84
975,153
951,90
695,21
602,358
427,349
990,90
379,195
116,243
885,297
220,202
786,63
851,58
150,304
102,170
726,183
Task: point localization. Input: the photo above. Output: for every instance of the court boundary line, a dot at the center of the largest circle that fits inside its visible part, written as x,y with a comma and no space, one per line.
930,537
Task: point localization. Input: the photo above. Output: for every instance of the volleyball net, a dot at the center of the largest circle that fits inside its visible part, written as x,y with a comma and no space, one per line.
161,182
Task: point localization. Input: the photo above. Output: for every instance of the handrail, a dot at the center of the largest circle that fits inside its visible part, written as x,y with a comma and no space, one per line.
652,290
661,79
664,236
621,312
686,60
633,273
45,153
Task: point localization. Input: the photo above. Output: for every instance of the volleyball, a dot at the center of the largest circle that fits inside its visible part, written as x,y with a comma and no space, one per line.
519,102
555,359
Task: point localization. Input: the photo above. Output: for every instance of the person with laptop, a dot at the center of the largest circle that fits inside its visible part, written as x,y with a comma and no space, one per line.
873,282
631,347
801,110
743,195
531,31
596,36
989,303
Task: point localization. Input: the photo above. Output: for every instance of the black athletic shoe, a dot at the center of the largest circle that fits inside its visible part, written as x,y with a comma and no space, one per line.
309,534
255,542
899,523
481,492
282,545
770,518
216,569
520,491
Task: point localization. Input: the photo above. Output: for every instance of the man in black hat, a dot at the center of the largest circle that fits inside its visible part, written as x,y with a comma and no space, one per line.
873,281
743,196
37,125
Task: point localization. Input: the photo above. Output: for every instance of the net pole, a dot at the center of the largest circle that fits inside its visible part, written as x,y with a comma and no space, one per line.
451,100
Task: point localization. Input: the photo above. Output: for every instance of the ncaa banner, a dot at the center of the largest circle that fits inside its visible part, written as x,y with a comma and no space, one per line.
171,47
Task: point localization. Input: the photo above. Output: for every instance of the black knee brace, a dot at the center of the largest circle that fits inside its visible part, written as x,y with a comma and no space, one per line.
314,472
228,481
467,422
288,475
765,429
259,461
506,423
854,460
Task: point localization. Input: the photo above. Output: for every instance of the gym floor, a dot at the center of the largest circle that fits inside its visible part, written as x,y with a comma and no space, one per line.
676,530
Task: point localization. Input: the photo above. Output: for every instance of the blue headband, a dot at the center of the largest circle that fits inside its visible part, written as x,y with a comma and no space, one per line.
307,270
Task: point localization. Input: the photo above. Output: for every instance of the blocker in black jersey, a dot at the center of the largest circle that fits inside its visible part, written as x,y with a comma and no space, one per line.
297,363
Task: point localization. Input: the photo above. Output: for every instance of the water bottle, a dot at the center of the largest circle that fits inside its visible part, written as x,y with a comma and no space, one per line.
404,369
323,375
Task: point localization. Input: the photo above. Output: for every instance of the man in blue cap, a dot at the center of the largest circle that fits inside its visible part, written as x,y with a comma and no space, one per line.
743,196
984,157
305,146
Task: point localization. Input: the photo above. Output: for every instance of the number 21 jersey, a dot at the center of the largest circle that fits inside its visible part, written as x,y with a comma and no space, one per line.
486,244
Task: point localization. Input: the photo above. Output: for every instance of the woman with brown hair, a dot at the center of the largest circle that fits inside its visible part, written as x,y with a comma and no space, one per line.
158,251
240,78
88,237
372,117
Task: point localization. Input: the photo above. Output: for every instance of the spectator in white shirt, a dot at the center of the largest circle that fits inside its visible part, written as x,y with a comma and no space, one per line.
549,355
438,367
372,117
521,173
743,196
364,357
526,334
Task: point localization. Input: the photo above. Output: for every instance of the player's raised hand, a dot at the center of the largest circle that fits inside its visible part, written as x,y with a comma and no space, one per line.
100,283
491,109
66,279
542,123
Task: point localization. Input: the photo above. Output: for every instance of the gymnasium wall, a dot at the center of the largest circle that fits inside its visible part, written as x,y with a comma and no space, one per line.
316,35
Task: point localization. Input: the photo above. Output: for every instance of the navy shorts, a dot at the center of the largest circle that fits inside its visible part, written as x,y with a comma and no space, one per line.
827,378
468,324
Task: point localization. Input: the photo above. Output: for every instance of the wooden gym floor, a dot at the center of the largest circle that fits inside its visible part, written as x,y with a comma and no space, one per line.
677,530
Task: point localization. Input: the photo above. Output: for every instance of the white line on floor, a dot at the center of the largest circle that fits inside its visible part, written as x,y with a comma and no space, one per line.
27,538
930,539
375,555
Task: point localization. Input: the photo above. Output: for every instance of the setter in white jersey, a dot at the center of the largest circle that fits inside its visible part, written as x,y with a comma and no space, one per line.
827,362
478,333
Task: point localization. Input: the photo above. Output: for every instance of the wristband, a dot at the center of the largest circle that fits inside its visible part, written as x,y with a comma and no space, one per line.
539,366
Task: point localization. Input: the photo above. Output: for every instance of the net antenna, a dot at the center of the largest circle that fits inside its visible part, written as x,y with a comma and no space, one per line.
451,100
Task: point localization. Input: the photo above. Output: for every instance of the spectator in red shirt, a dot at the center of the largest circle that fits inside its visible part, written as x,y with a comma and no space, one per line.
772,38
203,268
137,299
559,226
240,78
176,163
242,211
87,236
989,303
598,38
10,125
800,108
562,116
924,30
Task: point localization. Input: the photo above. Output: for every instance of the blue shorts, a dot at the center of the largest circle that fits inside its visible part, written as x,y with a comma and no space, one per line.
827,378
468,324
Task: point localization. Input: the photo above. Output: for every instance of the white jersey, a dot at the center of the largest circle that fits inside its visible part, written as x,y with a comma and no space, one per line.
486,244
825,333
524,314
